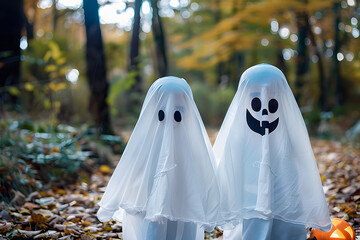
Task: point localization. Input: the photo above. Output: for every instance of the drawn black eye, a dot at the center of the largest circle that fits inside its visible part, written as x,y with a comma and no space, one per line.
273,105
256,104
161,115
177,116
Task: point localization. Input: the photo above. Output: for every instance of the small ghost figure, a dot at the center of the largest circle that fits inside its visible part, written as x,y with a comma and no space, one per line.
269,182
164,186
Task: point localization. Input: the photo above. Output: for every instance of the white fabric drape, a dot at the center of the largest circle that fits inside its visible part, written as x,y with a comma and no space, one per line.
266,167
167,169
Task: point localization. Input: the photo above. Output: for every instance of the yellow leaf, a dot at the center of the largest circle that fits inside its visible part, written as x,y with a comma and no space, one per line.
52,86
56,87
61,61
50,68
29,87
28,139
88,233
55,50
47,56
13,91
55,149
105,169
61,191
63,70
107,228
61,86
86,223
47,104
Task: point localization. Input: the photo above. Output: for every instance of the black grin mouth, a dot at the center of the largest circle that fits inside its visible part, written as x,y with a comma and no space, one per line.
254,124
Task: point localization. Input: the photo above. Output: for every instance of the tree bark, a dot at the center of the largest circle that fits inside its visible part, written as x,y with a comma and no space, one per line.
338,98
96,68
159,39
30,9
135,47
29,29
56,15
280,61
222,78
302,59
237,59
11,24
323,86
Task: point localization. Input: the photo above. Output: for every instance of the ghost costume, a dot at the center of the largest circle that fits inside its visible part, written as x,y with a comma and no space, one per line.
267,173
165,180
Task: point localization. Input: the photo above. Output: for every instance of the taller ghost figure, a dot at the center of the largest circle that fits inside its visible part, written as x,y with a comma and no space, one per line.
165,180
267,173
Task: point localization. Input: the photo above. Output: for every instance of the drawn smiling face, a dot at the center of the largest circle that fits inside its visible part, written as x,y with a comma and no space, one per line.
260,126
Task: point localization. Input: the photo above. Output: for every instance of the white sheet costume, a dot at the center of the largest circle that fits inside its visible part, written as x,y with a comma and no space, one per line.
267,173
165,180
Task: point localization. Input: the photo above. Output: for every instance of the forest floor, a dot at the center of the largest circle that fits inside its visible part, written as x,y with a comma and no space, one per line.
70,212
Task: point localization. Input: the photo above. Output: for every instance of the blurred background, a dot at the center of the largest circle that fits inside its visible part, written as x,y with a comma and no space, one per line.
90,61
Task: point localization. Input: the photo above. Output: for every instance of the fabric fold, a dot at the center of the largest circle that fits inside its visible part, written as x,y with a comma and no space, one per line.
167,169
266,167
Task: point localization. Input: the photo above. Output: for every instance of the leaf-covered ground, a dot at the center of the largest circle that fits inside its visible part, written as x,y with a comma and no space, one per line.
69,212
339,166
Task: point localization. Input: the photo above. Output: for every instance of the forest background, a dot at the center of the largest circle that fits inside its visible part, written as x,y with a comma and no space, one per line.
93,62
73,76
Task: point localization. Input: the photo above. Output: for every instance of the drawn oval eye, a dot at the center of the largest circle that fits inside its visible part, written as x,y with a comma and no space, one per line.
161,115
256,104
273,105
177,116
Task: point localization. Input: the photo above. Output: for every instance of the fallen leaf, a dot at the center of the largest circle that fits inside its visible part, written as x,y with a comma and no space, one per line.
105,169
48,234
5,226
5,215
32,196
29,233
24,211
43,212
31,206
61,191
18,200
45,201
107,228
86,223
56,219
17,215
38,219
88,236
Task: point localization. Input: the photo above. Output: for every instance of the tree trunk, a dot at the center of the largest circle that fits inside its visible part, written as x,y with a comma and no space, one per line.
302,64
222,78
323,86
30,18
11,24
338,98
280,61
135,47
237,59
96,70
29,29
159,39
56,15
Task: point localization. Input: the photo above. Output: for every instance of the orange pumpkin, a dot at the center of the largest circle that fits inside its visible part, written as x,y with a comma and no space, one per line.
340,230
